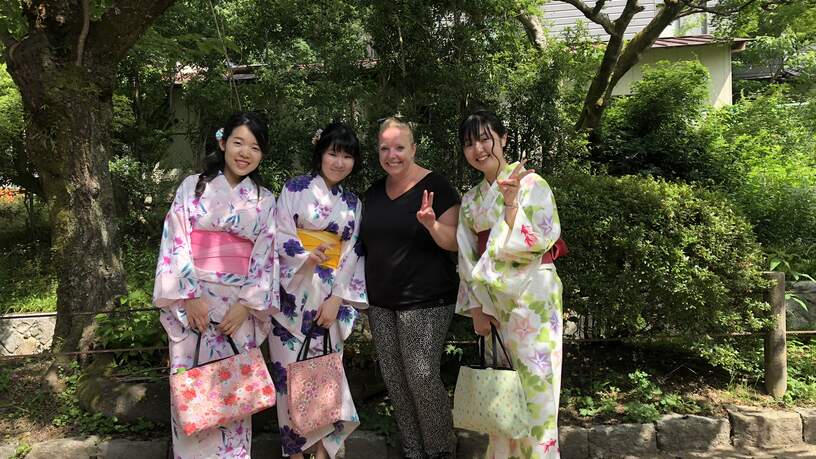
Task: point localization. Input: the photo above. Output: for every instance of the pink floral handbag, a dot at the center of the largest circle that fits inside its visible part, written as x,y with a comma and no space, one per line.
315,387
221,391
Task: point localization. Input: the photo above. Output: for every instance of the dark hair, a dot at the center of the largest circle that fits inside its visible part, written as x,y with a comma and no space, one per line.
215,161
477,123
337,137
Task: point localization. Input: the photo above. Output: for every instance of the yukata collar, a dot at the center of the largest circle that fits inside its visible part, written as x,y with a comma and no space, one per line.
335,190
245,189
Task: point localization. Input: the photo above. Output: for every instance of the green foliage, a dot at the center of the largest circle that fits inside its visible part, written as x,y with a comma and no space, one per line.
138,329
648,257
774,142
642,402
27,282
72,415
801,373
655,130
21,451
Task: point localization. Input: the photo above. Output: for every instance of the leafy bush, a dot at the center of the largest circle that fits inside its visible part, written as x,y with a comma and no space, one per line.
649,257
655,131
774,142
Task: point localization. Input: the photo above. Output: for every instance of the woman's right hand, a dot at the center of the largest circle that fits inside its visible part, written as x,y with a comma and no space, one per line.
482,322
316,257
197,313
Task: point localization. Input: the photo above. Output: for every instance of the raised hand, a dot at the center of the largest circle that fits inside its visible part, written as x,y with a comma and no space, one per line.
426,214
509,187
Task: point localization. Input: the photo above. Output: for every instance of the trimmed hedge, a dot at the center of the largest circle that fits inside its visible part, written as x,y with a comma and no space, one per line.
649,257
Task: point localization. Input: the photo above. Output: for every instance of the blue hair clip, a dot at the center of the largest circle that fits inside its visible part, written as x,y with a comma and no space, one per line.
219,134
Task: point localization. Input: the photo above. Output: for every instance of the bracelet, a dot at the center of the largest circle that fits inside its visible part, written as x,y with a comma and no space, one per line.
514,206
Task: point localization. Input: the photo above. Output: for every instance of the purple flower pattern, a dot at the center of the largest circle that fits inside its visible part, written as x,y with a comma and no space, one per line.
299,183
292,247
278,374
291,441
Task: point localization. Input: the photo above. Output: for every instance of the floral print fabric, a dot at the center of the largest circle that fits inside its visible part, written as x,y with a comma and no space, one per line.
307,203
209,395
509,281
243,211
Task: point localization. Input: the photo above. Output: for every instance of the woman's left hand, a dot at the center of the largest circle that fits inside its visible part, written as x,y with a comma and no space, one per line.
509,187
233,319
327,312
426,214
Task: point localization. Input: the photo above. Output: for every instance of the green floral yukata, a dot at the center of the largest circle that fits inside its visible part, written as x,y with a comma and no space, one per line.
510,282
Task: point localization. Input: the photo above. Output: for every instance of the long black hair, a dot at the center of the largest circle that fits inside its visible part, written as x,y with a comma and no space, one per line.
476,124
215,161
337,137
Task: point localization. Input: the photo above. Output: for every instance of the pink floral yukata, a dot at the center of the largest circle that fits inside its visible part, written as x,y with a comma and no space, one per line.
243,213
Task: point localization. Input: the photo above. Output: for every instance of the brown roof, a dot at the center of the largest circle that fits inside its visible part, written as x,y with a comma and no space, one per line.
737,44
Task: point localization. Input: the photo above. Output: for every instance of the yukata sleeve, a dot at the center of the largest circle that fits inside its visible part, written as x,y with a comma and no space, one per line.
260,291
468,298
176,278
536,227
289,247
349,282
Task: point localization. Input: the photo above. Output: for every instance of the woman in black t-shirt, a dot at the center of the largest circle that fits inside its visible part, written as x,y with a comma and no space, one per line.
409,233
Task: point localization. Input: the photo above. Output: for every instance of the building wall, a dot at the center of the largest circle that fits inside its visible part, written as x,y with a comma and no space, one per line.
715,57
559,16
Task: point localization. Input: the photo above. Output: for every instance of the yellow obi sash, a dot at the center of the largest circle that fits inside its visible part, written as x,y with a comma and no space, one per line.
313,238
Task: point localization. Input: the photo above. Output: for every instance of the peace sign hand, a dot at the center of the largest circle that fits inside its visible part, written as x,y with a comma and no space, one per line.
426,214
509,187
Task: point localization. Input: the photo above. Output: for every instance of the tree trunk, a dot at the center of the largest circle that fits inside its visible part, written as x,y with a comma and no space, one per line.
70,144
65,68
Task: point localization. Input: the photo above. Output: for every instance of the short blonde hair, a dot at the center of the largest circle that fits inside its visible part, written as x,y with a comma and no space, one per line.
394,121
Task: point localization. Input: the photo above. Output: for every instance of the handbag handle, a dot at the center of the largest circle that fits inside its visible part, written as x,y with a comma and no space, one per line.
198,344
303,353
496,340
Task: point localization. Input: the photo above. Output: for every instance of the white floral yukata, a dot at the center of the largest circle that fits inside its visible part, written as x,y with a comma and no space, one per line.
307,203
241,212
510,282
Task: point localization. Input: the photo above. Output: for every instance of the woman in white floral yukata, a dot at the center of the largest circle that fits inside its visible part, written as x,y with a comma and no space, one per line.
218,263
508,237
320,287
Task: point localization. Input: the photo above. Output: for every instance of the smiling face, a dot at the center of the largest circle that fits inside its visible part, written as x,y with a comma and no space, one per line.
335,166
396,150
486,153
242,154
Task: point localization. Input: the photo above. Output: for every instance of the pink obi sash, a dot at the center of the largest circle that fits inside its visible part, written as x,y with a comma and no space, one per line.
220,252
559,249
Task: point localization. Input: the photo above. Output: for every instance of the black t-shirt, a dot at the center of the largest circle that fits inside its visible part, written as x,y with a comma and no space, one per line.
404,267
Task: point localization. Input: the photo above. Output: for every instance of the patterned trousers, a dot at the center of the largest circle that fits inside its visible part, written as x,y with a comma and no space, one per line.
409,348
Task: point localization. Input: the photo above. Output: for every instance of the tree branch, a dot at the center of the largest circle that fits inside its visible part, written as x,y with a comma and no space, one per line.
122,24
629,11
644,39
7,39
83,35
694,8
600,18
535,32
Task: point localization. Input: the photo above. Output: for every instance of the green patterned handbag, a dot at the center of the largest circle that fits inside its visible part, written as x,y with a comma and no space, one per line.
490,399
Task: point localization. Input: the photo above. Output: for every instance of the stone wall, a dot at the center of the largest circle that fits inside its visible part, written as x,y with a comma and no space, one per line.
26,335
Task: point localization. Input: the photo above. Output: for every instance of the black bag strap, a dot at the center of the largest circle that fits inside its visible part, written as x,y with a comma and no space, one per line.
497,343
198,344
303,353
